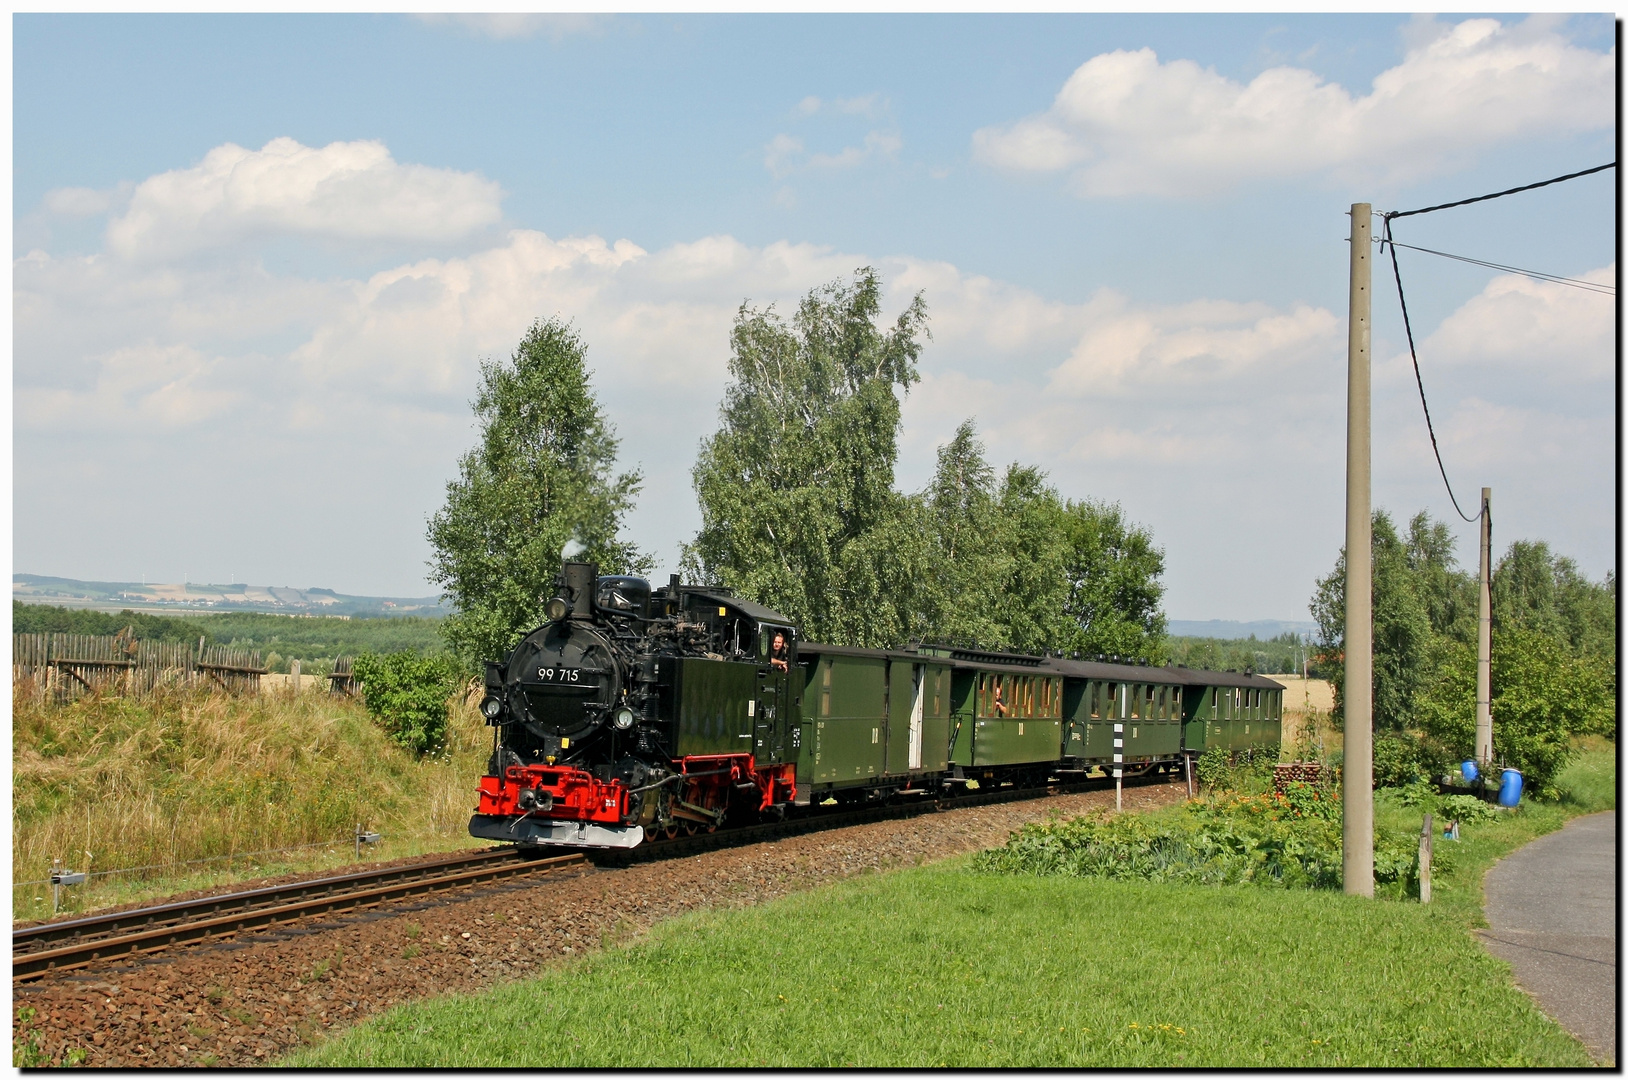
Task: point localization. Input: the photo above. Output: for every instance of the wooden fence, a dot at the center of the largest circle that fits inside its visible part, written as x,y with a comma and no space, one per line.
67,666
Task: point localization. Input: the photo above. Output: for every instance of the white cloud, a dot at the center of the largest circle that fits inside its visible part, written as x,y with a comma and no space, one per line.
863,105
785,154
515,25
1178,409
1126,124
140,387
780,154
345,190
876,144
1545,329
1191,346
78,201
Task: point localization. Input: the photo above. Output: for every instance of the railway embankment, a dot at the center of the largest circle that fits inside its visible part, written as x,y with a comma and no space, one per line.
259,995
191,790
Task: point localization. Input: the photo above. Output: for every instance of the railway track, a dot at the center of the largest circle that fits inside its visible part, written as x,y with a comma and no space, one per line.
95,939
74,943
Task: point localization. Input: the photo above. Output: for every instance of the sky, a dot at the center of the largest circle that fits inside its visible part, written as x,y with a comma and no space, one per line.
258,260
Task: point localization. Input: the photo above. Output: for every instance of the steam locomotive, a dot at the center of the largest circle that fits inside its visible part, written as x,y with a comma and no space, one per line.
636,714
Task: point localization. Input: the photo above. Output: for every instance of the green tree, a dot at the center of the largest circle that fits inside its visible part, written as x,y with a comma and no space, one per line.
1541,697
961,597
795,488
1032,591
1402,627
1018,567
1449,594
543,474
1535,589
1114,592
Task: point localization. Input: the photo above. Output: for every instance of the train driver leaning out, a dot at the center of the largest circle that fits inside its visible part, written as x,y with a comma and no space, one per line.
777,652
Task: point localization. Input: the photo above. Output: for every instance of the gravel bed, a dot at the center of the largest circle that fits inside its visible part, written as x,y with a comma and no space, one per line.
250,884
252,998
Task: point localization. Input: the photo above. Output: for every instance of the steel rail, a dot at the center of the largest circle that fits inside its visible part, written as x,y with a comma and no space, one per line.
78,942
74,943
838,819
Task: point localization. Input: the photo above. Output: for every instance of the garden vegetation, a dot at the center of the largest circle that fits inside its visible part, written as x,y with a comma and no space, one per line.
1554,673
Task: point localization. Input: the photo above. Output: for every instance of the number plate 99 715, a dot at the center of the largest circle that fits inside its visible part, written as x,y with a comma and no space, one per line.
564,676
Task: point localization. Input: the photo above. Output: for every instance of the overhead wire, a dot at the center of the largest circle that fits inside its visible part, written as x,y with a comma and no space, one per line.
1501,194
1407,325
1537,275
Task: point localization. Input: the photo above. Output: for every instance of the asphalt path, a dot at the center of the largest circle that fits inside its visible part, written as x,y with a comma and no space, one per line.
1552,913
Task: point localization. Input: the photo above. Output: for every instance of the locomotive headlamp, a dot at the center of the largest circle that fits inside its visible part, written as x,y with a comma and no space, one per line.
556,608
623,718
491,708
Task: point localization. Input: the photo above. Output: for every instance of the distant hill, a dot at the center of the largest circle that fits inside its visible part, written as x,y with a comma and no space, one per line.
192,596
1228,629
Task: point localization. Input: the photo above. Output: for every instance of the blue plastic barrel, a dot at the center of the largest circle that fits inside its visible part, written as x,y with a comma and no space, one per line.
1470,771
1510,793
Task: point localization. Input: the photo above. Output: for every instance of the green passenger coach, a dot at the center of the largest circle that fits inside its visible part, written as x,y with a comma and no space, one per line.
877,722
871,719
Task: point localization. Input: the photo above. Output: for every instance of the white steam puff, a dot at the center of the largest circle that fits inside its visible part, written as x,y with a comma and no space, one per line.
573,547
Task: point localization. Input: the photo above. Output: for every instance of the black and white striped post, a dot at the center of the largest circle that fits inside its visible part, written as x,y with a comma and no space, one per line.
1119,757
1119,764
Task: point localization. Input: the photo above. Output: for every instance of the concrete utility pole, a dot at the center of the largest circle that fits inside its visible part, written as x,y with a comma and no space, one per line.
1483,643
1359,571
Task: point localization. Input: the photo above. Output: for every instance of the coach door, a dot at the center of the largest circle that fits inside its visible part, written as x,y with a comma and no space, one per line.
772,708
916,716
902,735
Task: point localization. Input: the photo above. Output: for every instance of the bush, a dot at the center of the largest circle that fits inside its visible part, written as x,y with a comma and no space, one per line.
1248,770
407,694
1279,841
1466,809
1407,757
1541,697
1212,767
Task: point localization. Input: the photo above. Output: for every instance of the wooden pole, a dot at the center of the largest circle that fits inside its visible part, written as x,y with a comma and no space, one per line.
1427,841
1358,770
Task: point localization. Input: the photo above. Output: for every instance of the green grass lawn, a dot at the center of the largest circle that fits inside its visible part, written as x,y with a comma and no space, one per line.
944,966
941,966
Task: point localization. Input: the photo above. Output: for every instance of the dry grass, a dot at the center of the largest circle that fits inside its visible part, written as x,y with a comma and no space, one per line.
113,783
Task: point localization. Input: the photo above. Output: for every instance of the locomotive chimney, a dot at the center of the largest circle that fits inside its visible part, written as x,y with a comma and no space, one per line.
579,587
